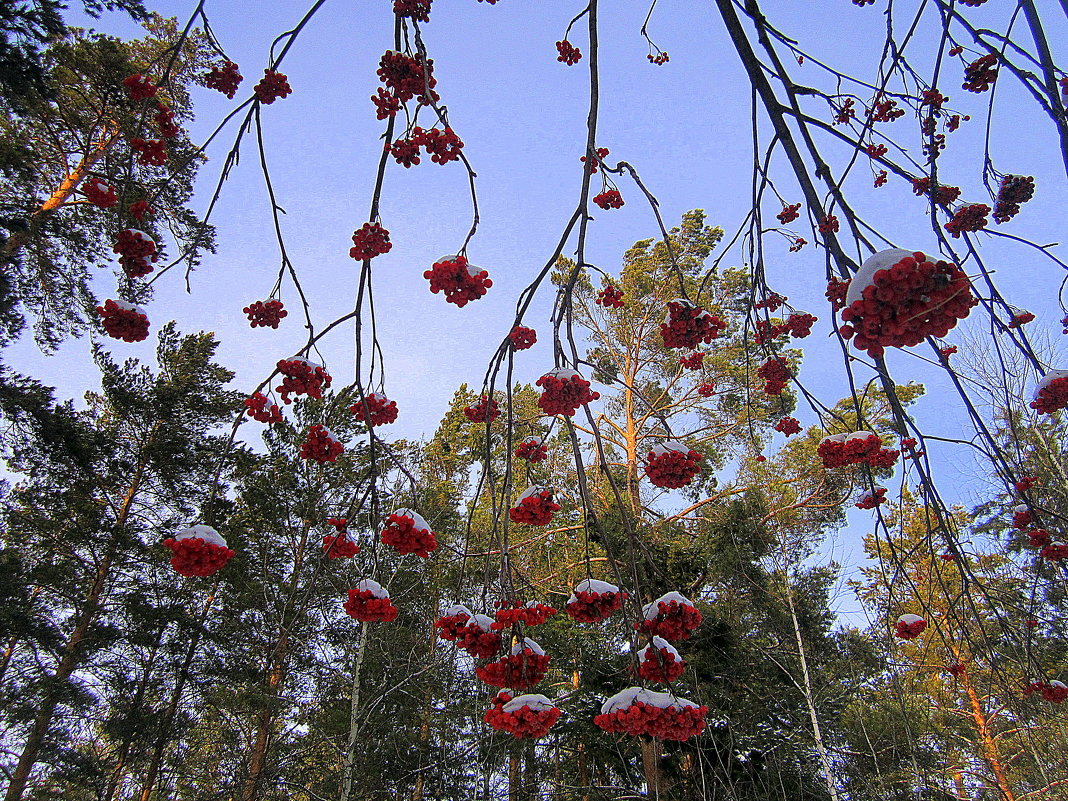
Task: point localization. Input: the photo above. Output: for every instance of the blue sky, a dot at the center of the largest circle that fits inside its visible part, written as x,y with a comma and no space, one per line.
685,126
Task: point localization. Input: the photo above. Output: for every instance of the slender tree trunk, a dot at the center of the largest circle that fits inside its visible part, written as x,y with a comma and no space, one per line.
514,777
354,727
986,740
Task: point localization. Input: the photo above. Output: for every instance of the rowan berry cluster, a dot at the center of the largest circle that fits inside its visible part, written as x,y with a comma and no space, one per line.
365,606
601,153
981,73
860,447
836,293
224,79
369,241
609,200
679,722
880,179
459,281
530,614
934,99
869,499
272,86
1038,538
913,299
706,390
957,669
672,465
404,534
302,377
1014,190
1055,552
413,9
909,627
522,338
845,112
164,120
1020,318
339,546
876,151
687,326
788,426
139,87
674,620
885,110
406,77
520,670
569,54
100,193
594,604
532,450
1024,484
693,361
258,409
789,213
534,509
321,445
265,314
610,297
519,718
1055,692
660,58
776,374
152,152
486,410
1052,396
968,218
947,351
123,321
563,391
137,252
140,209
1022,517
828,224
443,146
660,662
797,244
380,409
450,625
192,556
798,324
477,639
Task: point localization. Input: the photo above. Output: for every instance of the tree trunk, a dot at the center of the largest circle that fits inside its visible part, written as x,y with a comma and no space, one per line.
986,740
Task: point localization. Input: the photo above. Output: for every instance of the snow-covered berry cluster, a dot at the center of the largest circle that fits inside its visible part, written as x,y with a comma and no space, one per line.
535,507
486,410
670,616
593,601
1014,190
1054,552
1055,692
198,551
471,632
369,603
687,325
137,252
869,500
459,281
524,667
563,391
525,716
909,627
637,711
659,661
380,410
370,240
224,79
123,320
1022,517
860,447
260,409
272,86
100,193
522,338
532,449
265,314
302,377
1051,394
321,445
407,532
672,465
339,545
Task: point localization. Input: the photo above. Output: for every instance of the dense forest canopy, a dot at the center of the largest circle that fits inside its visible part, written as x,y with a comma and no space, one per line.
230,568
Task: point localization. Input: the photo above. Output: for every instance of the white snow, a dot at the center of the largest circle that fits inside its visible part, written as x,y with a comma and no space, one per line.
206,533
377,590
563,373
882,260
908,620
859,435
458,609
532,700
526,642
652,611
625,698
669,446
592,585
139,234
533,489
420,523
484,622
1048,379
834,438
648,653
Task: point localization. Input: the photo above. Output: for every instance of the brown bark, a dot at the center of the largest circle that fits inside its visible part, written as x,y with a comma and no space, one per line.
986,740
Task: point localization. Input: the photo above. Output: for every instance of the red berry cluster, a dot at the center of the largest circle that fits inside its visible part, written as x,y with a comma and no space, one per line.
776,373
302,377
137,252
968,218
339,546
405,535
569,54
1022,518
773,302
1055,692
535,508
828,224
611,297
675,620
265,314
601,153
947,351
885,110
451,625
164,120
869,499
486,410
369,241
1021,318
687,326
458,280
272,86
909,627
532,450
943,195
321,445
381,410
1052,396
367,608
519,718
413,9
798,324
152,152
258,409
1038,538
789,213
797,244
530,614
981,73
193,556
693,361
661,664
609,200
140,87
224,79
659,59
706,390
478,640
594,604
913,299
876,151
1055,552
563,391
140,209
443,146
880,179
845,113
934,99
957,669
672,465
788,426
1014,190
522,338
100,193
405,77
123,321
519,670
1024,484
665,723
861,447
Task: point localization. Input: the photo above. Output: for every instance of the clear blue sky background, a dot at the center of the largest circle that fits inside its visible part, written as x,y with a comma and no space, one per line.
685,126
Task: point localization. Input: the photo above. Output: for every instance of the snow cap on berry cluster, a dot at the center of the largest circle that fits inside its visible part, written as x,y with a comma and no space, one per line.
531,700
373,587
865,277
592,585
206,533
649,652
418,522
652,611
1048,379
669,446
527,644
